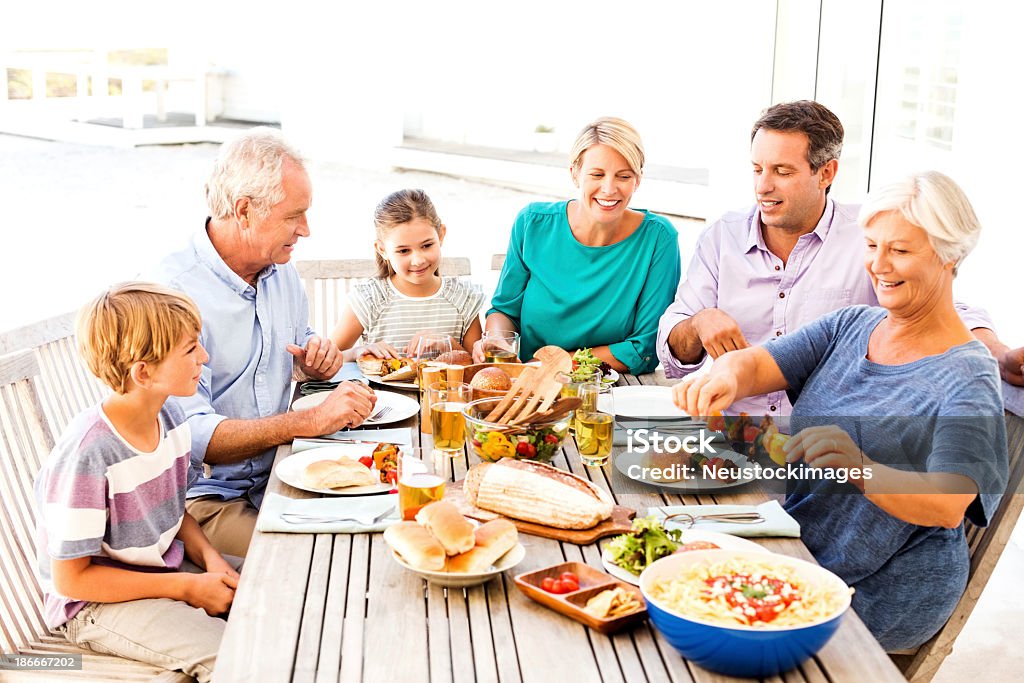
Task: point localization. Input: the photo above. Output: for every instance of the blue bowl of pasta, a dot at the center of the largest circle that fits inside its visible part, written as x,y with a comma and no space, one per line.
741,612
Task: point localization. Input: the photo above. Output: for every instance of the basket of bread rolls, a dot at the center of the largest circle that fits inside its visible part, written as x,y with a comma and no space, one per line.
448,549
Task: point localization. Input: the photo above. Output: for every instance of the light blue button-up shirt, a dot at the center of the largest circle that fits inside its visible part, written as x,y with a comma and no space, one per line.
245,331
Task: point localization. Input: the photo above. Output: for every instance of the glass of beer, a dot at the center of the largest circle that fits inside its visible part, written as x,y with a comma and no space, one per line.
595,424
447,400
421,479
429,347
500,346
571,383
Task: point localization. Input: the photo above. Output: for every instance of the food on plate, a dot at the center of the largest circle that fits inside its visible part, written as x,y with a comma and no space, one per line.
491,379
455,357
611,603
370,364
535,492
493,539
748,592
646,542
449,527
398,370
416,545
567,582
582,362
385,457
336,474
697,545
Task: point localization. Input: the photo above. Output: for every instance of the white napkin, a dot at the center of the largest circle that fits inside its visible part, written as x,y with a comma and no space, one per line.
339,506
777,521
399,435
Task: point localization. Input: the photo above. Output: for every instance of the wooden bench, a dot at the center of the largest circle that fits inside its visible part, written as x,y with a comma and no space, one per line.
67,386
328,283
986,545
27,441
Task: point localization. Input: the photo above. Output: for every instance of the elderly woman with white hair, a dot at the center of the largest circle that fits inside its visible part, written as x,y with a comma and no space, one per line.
902,400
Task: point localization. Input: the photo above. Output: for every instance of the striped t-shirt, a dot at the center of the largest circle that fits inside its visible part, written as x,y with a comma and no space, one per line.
100,497
389,316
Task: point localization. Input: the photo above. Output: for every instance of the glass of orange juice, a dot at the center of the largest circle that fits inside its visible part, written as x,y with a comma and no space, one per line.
422,474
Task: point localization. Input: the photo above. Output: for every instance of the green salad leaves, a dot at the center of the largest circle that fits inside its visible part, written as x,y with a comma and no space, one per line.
646,542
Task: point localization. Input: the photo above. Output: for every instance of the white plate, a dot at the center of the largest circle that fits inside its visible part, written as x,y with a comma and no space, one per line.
291,468
402,407
626,460
610,377
646,402
505,562
723,541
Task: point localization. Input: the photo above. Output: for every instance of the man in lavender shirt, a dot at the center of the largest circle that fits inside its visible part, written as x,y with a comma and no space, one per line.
792,257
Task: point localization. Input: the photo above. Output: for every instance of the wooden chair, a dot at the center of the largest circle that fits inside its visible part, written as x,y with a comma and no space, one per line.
67,385
328,282
25,441
986,545
497,262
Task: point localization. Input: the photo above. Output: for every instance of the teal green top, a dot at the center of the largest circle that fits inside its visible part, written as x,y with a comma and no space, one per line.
561,292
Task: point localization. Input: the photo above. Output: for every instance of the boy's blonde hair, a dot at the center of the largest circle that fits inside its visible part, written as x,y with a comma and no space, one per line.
129,323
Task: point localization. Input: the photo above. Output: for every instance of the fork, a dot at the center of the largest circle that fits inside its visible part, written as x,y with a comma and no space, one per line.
378,415
304,518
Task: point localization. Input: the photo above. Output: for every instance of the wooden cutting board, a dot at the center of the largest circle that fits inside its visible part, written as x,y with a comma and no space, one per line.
619,523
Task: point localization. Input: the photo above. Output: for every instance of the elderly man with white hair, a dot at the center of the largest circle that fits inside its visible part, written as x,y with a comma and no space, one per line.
255,328
902,391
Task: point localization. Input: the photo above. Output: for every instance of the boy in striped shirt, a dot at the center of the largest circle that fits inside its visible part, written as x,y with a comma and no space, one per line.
124,569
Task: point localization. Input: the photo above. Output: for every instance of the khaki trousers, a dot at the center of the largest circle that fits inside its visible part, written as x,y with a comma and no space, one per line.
229,524
167,633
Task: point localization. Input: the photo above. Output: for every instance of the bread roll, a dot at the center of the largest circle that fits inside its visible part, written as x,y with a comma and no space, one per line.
455,357
535,492
449,527
416,545
493,540
491,379
336,474
369,364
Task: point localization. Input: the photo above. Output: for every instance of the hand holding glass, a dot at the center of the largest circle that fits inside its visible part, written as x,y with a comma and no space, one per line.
500,346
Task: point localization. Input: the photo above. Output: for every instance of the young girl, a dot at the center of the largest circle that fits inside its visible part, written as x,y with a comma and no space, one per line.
408,298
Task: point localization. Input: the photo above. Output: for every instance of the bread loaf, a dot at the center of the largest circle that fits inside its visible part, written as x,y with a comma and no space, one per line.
336,474
449,527
493,540
535,492
416,545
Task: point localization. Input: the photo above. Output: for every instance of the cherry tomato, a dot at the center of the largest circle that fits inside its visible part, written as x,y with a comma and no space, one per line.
569,585
526,449
366,460
548,584
569,576
750,433
551,438
393,476
558,587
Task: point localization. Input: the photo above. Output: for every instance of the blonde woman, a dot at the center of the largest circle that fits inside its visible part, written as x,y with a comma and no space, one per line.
591,271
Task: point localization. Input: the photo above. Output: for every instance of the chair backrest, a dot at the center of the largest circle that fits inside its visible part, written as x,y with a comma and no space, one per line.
497,262
25,441
67,386
327,284
985,546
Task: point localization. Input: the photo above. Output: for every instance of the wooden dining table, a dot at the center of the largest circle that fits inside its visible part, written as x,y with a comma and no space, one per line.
338,607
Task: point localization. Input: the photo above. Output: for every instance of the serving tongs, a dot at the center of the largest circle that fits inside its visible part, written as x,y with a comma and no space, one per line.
534,390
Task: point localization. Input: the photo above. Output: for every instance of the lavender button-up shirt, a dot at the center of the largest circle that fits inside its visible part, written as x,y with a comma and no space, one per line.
733,270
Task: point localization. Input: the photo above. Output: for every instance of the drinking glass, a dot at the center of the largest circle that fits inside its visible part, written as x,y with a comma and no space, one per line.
429,347
571,383
421,479
595,424
447,425
500,346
